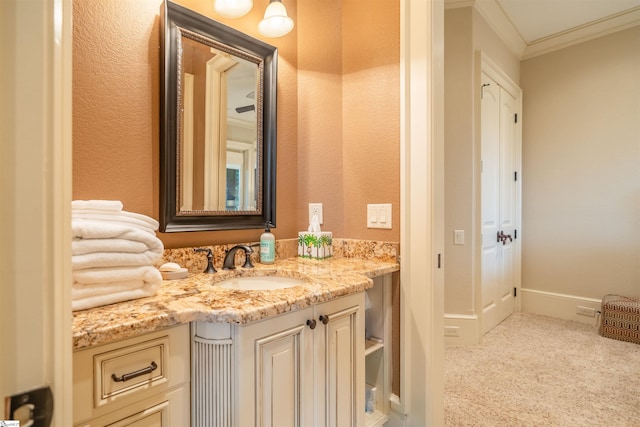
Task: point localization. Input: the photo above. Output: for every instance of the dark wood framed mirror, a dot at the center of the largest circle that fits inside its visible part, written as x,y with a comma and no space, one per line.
217,125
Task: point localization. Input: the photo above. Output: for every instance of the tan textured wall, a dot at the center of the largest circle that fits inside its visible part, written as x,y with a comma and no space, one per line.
581,168
116,110
320,162
371,114
459,158
324,155
466,33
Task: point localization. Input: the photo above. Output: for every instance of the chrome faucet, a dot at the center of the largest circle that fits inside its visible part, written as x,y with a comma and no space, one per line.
229,259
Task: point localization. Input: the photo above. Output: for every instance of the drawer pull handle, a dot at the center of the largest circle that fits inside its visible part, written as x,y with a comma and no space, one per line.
130,375
324,319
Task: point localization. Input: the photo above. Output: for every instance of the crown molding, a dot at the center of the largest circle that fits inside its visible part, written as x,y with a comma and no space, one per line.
502,25
498,20
583,33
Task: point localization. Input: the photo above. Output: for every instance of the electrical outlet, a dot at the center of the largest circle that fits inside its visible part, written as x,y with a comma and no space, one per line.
451,331
316,209
585,311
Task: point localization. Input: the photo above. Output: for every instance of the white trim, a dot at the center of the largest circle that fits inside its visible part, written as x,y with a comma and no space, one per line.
60,192
490,68
468,327
422,203
491,11
396,414
499,21
35,164
557,305
603,27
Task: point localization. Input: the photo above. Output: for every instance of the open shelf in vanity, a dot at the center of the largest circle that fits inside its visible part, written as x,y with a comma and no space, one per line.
378,333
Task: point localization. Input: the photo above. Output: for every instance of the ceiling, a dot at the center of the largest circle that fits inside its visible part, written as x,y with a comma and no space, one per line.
535,27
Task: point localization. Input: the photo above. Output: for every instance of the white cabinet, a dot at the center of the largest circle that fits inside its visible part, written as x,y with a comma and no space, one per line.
303,368
142,381
275,377
339,349
378,353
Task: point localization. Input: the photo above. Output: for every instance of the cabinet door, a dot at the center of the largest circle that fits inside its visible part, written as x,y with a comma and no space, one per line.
164,410
339,344
276,369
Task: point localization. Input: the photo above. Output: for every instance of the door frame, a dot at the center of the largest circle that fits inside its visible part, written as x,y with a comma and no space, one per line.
36,169
484,64
422,215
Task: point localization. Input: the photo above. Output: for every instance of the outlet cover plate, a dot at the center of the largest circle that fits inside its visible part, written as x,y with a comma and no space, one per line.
451,331
316,209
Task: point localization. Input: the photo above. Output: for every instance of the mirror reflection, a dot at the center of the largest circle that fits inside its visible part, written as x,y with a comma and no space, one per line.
219,139
217,126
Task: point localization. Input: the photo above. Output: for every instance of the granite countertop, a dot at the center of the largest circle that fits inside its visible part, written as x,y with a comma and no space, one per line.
197,298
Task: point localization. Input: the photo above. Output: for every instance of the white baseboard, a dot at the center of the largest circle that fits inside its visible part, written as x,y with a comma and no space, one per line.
397,416
561,306
461,329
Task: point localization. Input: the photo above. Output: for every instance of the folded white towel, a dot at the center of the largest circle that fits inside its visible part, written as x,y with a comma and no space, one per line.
132,219
93,282
101,205
89,246
106,244
112,298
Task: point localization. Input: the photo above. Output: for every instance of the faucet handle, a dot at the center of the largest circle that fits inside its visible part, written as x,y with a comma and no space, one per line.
210,269
247,257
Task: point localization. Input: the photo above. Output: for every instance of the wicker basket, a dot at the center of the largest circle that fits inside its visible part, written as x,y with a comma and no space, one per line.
620,318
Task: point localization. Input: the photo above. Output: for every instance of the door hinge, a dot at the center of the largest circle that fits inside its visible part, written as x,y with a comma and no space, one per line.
516,118
515,234
515,175
515,291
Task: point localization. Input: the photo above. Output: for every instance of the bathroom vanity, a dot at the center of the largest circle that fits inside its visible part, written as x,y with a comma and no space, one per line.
202,354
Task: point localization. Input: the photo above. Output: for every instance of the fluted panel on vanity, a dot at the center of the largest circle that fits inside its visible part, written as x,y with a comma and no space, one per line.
212,382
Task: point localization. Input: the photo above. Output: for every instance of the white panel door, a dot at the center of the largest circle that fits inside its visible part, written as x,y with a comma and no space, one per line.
339,364
275,372
499,202
508,203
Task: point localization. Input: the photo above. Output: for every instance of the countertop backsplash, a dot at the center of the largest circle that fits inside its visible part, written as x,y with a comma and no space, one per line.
196,262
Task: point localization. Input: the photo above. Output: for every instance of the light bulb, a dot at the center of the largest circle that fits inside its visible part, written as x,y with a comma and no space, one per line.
276,23
232,8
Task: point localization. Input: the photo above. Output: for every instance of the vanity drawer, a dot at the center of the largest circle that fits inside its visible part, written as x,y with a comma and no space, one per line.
109,377
129,369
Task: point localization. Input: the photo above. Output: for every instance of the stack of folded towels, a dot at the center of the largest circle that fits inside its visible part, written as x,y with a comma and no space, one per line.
113,254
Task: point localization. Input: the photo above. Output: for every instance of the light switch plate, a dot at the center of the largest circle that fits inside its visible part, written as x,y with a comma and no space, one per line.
379,216
458,237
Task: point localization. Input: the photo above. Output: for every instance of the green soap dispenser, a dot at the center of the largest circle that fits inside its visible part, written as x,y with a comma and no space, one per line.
267,245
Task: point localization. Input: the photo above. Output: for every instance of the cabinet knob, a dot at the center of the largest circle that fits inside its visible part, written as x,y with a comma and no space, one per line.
311,323
324,319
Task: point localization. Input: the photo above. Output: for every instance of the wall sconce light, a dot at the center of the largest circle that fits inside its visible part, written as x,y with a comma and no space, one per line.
276,22
232,8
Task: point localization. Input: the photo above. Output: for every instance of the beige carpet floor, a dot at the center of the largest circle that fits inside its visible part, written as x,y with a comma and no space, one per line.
538,371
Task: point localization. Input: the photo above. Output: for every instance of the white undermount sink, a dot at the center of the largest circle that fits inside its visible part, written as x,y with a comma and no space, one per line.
259,283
